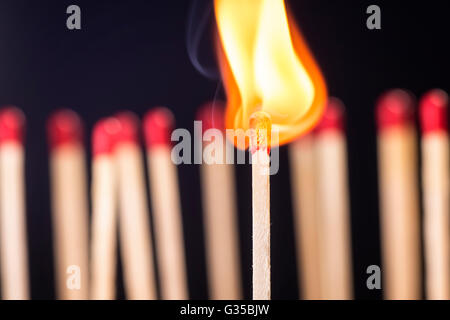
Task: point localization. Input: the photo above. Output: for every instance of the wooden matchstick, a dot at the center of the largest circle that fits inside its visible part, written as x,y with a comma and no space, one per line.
304,196
397,166
69,204
165,198
13,240
134,224
219,207
260,125
435,179
333,208
104,211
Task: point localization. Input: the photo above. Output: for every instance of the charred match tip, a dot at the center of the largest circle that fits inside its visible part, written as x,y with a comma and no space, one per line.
64,127
128,131
212,116
395,108
104,136
12,125
261,126
433,111
158,124
333,117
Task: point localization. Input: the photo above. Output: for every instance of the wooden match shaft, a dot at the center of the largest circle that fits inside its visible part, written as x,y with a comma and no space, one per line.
304,196
13,242
397,161
104,212
168,224
221,232
221,226
69,205
163,180
134,224
261,205
435,178
333,208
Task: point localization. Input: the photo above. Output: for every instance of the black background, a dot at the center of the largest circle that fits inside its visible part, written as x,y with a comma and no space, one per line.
134,55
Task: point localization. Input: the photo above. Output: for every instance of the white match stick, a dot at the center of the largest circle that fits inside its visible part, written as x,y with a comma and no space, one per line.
69,204
304,196
397,166
220,213
104,211
13,240
435,178
134,224
260,124
165,198
332,185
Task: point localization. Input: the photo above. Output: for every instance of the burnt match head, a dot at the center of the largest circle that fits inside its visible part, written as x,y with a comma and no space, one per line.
128,127
12,125
212,116
104,136
261,126
333,117
433,111
64,127
395,108
158,125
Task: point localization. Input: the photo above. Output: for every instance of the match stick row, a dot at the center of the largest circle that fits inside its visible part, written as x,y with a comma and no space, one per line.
87,268
319,176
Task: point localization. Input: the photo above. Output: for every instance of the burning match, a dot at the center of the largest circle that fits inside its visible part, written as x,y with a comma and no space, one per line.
260,149
271,80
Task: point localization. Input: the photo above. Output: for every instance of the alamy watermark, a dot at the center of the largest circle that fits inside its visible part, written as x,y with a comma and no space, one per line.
214,147
374,280
73,281
373,22
73,21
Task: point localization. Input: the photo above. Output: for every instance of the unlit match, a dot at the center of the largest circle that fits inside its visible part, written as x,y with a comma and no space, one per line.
158,125
435,177
134,224
333,205
13,239
305,197
219,207
69,204
397,163
104,210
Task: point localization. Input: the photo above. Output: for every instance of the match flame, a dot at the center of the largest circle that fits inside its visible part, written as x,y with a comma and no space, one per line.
266,65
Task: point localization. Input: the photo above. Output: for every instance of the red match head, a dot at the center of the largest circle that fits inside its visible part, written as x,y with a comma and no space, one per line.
12,125
64,127
104,136
128,127
158,126
212,115
433,111
394,108
333,116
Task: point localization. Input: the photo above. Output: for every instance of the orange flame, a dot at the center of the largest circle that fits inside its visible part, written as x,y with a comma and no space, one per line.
266,65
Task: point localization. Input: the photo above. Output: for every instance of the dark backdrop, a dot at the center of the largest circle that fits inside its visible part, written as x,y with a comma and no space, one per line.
133,55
